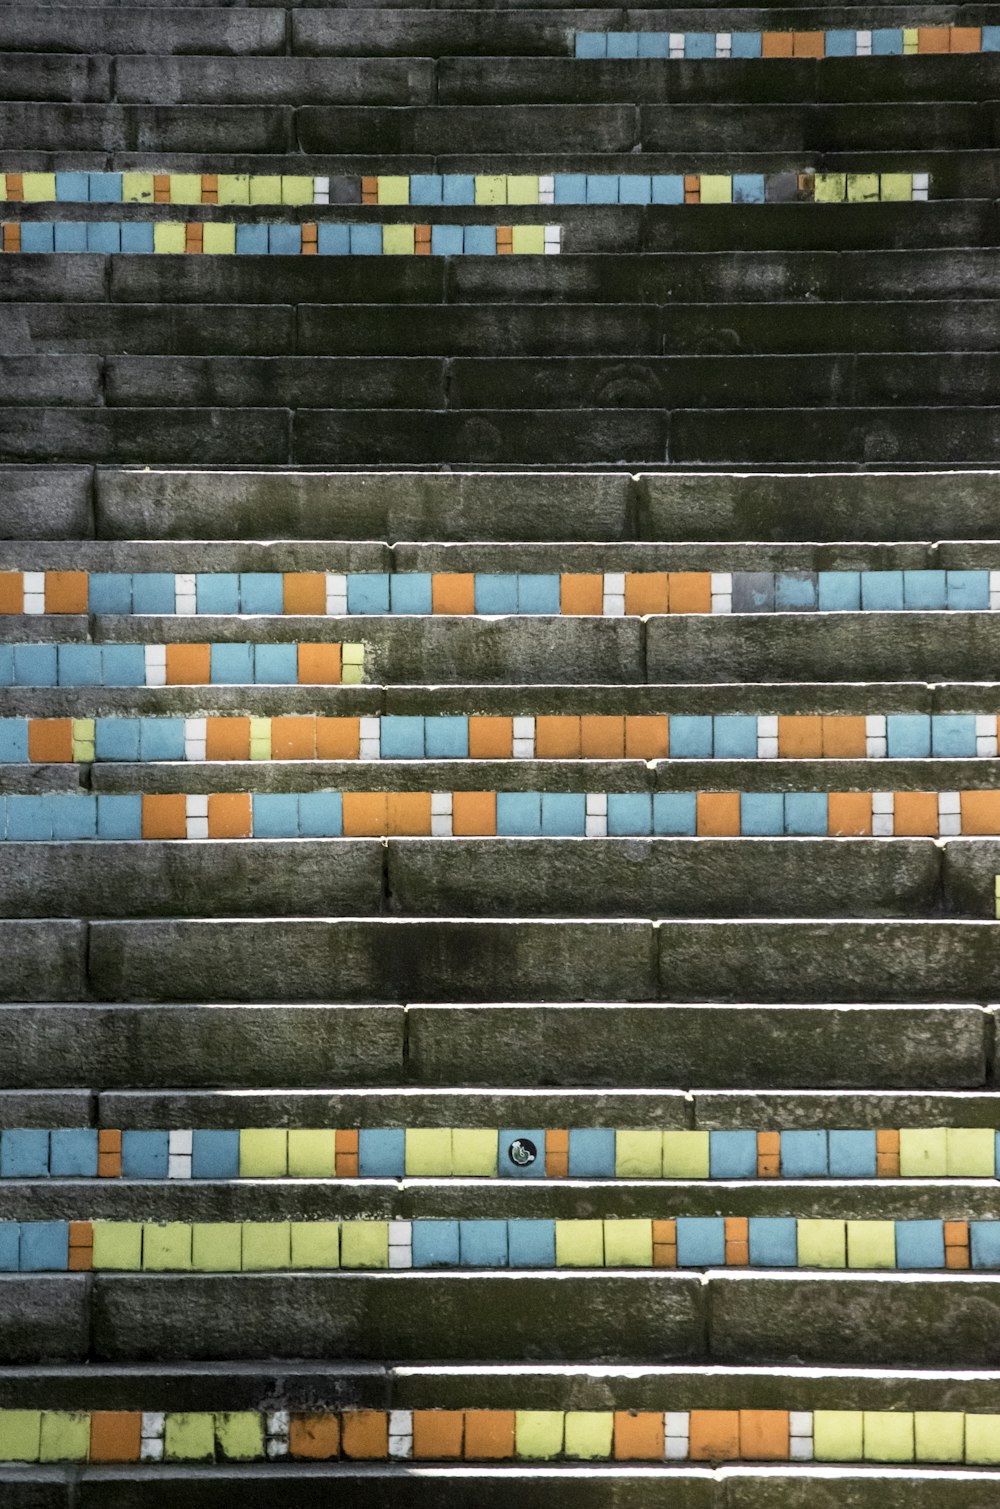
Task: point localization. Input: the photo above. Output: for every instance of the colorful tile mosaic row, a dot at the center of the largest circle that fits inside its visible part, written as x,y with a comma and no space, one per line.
225,238
503,814
505,1153
467,736
671,1242
458,189
861,42
485,1435
608,594
180,664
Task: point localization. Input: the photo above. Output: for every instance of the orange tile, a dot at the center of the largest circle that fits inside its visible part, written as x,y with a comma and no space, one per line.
189,664
227,739
887,1140
915,814
768,1167
346,1165
364,814
315,1437
11,592
602,738
109,1165
957,1257
15,187
230,815
849,812
664,1255
81,1233
115,1435
161,188
956,1233
304,592
310,240
345,1143
557,737
647,737
714,1435
737,1229
764,1435
581,593
365,1433
966,39
11,236
369,190
492,738
557,1153
80,1259
808,44
505,240
453,592
638,1436
844,738
800,738
646,592
409,813
933,39
689,592
164,816
437,1434
109,1140
718,814
81,1246
665,1232
980,812
194,237
473,814
768,1155
209,188
489,1434
293,738
319,664
338,738
692,183
422,240
65,591
776,44
50,740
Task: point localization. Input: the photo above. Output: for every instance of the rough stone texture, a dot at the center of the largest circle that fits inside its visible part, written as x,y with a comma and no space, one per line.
36,1488
45,502
44,1317
42,961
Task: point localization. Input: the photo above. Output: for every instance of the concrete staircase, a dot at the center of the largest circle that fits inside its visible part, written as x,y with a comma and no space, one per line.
498,880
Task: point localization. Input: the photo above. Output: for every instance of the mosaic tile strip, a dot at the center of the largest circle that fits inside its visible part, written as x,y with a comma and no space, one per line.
608,594
484,1435
862,42
505,1153
180,664
503,814
221,238
672,1242
458,189
468,736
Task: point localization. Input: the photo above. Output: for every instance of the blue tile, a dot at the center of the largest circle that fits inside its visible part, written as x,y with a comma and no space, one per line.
35,665
368,592
909,736
748,188
732,1155
79,665
668,188
701,1241
24,1154
984,1241
37,237
690,737
675,813
804,1155
602,188
215,1154
411,592
459,188
426,188
275,815
886,41
591,44
564,814
29,818
402,738
161,738
73,1153
117,738
74,817
734,738
538,594
275,664
654,44
925,591
570,188
262,592
839,591
519,814
124,665
919,1244
483,1244
622,44
44,1246
251,240
144,1155
105,188
104,236
634,188
746,44
480,241
841,44
284,240
953,734
366,240
435,1244
531,1244
233,664
794,591
333,240
153,592
70,236
592,1152
629,812
699,44
217,592
381,1152
110,592
495,594
446,737
806,813
991,39
137,237
447,240
762,814
852,1155
773,1242
72,188
321,814
10,1246
528,1139
968,591
882,591
6,665
119,817
13,741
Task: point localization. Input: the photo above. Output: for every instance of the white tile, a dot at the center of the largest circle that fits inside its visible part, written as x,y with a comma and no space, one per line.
321,190
767,727
277,1446
400,1446
400,1422
276,1422
151,1449
613,605
524,728
800,1422
179,1166
876,749
949,801
614,583
767,749
721,603
596,827
523,749
441,803
675,1448
986,725
596,804
153,1423
181,1142
883,801
400,1257
441,826
400,1231
197,806
676,1422
800,1448
156,664
986,746
875,727
949,826
882,825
